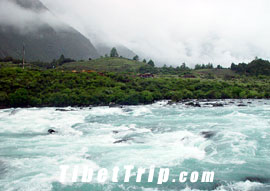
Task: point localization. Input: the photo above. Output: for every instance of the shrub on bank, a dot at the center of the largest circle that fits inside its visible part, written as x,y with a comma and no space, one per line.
23,88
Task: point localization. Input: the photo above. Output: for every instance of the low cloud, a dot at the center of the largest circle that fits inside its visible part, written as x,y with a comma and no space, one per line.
169,31
25,20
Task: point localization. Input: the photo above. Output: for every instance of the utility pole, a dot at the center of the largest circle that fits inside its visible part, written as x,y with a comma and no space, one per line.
23,55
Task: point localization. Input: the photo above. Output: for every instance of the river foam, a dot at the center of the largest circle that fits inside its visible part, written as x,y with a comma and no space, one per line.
232,141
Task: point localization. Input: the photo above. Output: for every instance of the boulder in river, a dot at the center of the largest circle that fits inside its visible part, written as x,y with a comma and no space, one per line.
112,104
64,110
208,134
193,104
242,105
257,179
121,141
51,131
202,100
217,104
171,102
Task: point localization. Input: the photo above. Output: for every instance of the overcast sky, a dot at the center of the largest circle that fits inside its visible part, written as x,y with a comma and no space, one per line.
175,31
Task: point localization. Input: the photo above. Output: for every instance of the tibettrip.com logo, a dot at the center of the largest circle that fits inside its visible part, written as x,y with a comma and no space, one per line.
86,175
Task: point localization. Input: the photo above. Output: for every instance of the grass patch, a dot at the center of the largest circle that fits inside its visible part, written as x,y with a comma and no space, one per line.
105,65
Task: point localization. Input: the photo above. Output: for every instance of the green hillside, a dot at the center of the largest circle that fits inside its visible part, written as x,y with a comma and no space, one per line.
215,73
105,65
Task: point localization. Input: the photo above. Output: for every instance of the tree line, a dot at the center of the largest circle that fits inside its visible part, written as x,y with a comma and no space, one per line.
256,67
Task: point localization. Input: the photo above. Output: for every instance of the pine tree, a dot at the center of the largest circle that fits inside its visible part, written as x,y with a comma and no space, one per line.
114,52
136,58
151,63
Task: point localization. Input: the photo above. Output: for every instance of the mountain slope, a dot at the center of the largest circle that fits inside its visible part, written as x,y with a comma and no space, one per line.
30,4
46,40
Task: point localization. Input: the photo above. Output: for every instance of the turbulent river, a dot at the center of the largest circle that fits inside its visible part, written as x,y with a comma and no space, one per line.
232,141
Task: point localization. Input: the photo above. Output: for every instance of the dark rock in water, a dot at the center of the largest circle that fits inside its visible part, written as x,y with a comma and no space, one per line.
51,131
197,105
64,110
208,134
257,179
186,100
121,141
217,105
232,102
217,184
193,104
190,104
202,100
115,132
171,102
115,105
184,138
242,105
249,102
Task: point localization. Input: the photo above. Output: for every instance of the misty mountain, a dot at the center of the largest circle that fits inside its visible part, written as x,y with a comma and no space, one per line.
33,5
44,36
122,50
